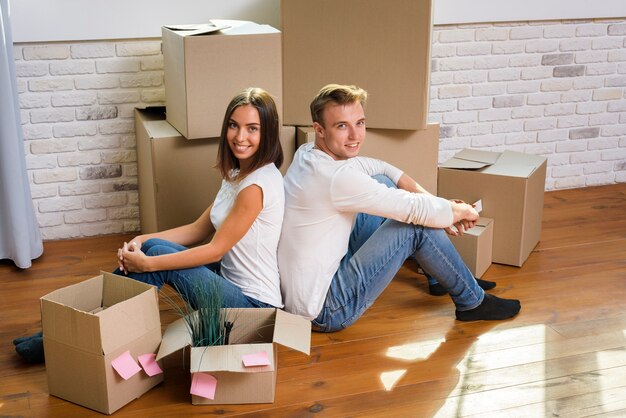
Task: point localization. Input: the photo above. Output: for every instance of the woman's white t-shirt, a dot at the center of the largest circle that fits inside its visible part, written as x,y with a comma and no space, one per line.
252,263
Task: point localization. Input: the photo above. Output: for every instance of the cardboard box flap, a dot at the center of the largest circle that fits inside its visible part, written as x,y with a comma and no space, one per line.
176,336
160,129
196,29
85,296
292,331
135,316
470,159
116,289
479,227
250,29
229,358
516,164
70,326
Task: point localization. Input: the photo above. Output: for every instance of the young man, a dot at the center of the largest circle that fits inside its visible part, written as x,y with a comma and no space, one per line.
345,234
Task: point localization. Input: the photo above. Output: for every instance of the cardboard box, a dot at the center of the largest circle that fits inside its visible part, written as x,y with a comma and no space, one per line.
382,46
414,152
177,181
254,331
511,186
475,246
204,68
88,325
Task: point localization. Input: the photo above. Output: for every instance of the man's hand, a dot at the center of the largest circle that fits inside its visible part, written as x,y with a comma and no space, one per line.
464,218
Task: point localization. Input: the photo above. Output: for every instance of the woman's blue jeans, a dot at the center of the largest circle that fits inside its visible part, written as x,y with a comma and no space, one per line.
377,250
188,281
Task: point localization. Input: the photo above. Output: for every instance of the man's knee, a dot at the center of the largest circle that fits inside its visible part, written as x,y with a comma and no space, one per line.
381,178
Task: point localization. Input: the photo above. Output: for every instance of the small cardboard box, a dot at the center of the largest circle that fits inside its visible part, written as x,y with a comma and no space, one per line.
177,181
511,186
89,324
206,65
254,331
381,46
414,152
475,246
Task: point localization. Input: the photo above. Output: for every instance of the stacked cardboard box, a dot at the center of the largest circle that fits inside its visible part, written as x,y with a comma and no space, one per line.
206,65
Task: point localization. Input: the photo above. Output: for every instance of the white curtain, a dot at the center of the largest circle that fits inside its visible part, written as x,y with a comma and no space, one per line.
20,239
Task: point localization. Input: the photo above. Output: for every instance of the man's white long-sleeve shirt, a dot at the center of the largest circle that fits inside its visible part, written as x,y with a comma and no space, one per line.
322,198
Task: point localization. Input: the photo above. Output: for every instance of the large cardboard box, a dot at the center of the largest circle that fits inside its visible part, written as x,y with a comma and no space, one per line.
511,186
177,178
414,152
88,325
255,331
204,68
475,246
382,46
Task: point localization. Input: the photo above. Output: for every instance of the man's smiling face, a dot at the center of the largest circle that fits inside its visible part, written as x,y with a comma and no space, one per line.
342,131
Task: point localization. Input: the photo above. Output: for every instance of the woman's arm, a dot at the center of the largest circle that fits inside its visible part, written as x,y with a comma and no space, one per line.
247,206
186,235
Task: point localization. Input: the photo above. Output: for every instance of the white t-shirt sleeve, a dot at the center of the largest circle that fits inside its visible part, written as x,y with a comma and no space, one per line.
353,190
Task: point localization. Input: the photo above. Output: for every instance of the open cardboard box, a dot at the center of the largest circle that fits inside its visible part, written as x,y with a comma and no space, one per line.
255,330
205,65
511,186
88,325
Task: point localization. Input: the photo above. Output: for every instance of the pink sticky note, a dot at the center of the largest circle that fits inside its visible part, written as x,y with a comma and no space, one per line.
256,359
203,385
149,364
125,365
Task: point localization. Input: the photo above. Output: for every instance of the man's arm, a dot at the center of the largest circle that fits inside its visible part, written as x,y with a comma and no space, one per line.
464,215
407,183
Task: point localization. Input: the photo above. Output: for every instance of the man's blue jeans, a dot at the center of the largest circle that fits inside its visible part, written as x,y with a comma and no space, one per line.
378,248
187,281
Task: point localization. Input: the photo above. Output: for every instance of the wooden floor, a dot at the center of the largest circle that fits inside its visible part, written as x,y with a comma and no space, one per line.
564,355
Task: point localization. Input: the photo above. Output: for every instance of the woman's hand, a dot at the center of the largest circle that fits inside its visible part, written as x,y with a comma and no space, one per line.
131,258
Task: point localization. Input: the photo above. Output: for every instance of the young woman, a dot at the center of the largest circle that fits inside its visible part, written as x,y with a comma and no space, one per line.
242,225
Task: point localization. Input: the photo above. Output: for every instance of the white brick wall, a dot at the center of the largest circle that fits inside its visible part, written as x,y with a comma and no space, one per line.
552,88
77,101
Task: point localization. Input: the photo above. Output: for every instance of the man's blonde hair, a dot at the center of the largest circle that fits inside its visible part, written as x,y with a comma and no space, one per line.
338,94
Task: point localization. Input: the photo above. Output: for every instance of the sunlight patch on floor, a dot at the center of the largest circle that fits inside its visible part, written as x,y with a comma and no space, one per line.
472,395
390,379
415,351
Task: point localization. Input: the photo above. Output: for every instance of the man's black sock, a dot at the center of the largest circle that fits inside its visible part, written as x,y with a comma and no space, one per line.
491,308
